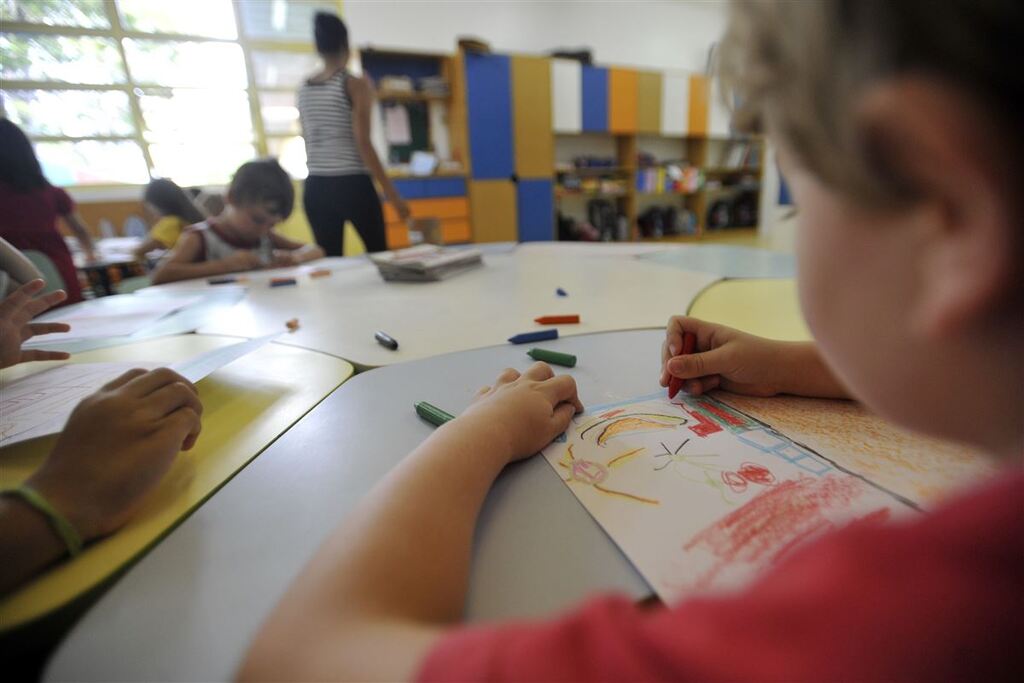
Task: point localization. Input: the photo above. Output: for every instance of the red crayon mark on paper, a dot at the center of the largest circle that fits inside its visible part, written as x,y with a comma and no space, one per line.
705,426
775,521
728,417
613,413
756,474
734,481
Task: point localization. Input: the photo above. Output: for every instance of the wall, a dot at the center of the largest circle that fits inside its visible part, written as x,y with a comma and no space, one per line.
666,34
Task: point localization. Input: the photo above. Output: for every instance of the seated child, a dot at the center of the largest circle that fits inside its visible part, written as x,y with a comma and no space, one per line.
242,237
896,125
115,448
171,211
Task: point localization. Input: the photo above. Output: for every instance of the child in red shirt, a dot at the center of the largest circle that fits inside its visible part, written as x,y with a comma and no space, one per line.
30,206
897,125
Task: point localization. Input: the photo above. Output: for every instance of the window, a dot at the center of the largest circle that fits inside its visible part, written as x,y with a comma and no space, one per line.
118,92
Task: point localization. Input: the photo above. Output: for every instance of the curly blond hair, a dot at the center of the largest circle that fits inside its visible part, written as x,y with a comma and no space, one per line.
798,67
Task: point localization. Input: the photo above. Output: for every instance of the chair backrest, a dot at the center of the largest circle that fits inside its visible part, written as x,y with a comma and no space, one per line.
51,276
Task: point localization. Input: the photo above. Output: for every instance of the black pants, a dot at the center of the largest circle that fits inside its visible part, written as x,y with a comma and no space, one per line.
330,200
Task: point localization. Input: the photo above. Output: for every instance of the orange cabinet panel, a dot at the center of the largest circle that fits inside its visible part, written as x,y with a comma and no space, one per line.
698,105
622,100
455,230
397,235
440,207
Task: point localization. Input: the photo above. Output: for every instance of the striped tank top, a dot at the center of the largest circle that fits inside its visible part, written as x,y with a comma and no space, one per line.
325,112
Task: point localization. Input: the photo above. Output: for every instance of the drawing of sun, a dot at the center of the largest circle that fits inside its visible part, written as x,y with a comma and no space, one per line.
612,424
595,474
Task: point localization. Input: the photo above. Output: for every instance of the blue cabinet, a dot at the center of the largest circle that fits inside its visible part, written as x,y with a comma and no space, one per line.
594,82
535,200
489,104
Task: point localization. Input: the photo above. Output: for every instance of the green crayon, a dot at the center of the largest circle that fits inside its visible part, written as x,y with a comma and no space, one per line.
432,414
566,359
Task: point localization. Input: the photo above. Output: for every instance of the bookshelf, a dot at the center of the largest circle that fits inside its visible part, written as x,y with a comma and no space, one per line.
708,170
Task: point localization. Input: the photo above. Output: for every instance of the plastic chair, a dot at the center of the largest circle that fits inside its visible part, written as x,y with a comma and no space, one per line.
51,276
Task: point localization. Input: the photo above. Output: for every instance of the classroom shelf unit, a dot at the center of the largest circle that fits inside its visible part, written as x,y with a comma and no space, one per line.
523,126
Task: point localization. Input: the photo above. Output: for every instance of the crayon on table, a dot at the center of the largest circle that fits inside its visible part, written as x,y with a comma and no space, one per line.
561,292
689,344
283,281
557,320
564,359
221,280
386,340
433,414
527,337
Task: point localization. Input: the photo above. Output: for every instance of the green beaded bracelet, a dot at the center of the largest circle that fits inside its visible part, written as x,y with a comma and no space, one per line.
64,529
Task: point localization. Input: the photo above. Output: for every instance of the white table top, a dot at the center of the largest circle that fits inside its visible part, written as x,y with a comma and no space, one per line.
340,313
189,608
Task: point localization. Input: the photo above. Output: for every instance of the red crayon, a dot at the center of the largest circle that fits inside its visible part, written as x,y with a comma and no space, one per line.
557,320
689,344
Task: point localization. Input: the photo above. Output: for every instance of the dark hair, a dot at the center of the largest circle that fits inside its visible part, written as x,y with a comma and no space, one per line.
330,33
19,167
171,200
263,182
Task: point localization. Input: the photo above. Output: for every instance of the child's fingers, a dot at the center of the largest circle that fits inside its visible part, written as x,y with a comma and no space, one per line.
562,416
123,379
39,354
186,425
507,376
170,397
19,297
561,389
539,372
37,329
695,365
40,304
696,387
155,379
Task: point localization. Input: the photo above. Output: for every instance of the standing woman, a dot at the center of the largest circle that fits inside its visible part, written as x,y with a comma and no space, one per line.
334,107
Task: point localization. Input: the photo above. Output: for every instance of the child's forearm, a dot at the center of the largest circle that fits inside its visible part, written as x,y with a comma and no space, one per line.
173,272
803,372
401,560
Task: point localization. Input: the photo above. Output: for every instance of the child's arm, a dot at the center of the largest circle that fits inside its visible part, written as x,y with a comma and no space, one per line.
148,245
116,447
77,226
184,263
361,92
744,364
290,253
390,579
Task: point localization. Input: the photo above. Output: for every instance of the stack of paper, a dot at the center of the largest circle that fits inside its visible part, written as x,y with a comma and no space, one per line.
425,263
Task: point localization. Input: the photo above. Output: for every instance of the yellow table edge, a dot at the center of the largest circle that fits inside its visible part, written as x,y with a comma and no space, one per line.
243,390
767,307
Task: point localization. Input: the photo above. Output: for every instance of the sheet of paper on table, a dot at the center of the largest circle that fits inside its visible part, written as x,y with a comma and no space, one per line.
701,497
40,404
113,316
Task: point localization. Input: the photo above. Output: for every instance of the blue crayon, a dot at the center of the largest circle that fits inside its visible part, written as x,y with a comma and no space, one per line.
527,337
561,292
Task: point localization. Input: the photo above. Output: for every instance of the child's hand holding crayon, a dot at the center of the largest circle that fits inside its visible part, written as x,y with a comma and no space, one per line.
742,363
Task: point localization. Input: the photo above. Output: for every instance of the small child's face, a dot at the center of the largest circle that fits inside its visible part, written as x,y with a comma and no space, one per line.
254,219
856,280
